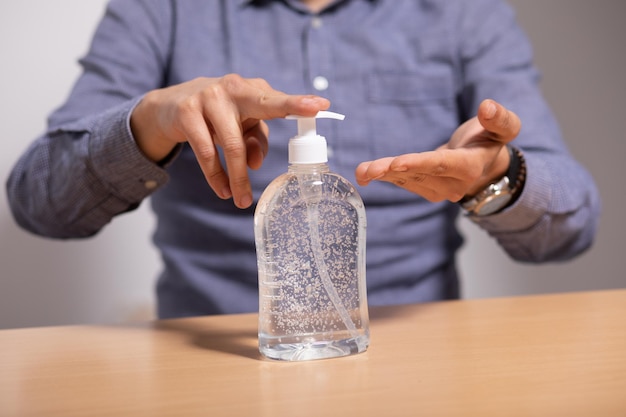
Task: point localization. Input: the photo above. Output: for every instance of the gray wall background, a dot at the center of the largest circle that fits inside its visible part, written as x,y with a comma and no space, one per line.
110,278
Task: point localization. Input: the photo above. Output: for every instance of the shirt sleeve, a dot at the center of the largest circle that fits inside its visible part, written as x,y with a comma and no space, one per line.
86,168
556,216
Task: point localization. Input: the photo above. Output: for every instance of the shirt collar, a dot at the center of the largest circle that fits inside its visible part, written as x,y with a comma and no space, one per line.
261,2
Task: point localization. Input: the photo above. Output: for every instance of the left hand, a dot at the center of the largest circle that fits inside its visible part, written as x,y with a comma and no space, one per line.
474,157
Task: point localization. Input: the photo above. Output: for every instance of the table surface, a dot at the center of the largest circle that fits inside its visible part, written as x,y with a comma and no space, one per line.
548,355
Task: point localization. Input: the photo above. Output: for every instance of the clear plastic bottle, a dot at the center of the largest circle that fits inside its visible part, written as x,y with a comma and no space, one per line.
310,230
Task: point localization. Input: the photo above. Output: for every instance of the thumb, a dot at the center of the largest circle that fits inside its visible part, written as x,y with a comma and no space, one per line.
502,123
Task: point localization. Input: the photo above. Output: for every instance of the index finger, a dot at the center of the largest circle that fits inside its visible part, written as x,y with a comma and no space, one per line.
251,100
264,103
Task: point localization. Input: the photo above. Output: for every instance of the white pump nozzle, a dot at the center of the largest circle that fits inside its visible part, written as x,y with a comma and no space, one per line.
308,147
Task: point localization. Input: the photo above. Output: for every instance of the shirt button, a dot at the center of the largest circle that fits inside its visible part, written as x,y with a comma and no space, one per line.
316,22
320,83
150,184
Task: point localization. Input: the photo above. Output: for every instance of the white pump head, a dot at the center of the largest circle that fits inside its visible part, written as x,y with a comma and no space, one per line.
308,147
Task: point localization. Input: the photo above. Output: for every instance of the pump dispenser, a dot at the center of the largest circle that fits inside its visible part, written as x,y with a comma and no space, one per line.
309,147
310,230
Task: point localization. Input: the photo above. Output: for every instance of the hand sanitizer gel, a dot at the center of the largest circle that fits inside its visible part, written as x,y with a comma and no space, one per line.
309,229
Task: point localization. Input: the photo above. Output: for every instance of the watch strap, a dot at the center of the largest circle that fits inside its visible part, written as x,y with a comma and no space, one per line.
516,172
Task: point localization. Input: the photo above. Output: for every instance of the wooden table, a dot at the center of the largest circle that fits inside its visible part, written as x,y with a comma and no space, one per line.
549,355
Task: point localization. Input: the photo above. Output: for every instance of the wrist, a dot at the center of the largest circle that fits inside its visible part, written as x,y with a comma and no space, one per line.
501,193
497,170
150,142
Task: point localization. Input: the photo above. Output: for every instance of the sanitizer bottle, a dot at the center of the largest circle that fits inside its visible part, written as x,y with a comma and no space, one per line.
310,230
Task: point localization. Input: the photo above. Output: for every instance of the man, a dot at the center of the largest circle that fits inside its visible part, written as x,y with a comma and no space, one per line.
177,99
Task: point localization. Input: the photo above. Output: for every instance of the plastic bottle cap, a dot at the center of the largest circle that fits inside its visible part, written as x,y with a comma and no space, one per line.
307,147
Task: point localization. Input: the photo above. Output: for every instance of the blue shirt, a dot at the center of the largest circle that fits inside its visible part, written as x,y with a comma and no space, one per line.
405,72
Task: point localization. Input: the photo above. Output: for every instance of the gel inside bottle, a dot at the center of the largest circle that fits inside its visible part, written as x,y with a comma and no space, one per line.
310,230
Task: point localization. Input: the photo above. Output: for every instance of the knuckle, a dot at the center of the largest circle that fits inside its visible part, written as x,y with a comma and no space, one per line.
187,106
442,166
214,93
261,83
418,178
400,182
233,146
215,176
239,181
505,119
205,153
231,142
232,82
510,123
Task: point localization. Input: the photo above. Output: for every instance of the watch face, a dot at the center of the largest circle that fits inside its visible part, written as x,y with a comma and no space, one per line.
491,199
493,203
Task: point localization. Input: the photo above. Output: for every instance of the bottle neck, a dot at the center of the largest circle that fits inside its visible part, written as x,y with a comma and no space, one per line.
308,168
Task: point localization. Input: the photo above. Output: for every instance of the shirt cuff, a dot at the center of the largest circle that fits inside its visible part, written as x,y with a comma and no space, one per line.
531,205
117,160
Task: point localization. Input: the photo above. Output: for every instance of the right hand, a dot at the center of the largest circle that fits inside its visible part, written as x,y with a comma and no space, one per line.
208,113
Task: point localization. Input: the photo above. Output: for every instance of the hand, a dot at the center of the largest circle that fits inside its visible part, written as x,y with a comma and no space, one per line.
212,113
474,157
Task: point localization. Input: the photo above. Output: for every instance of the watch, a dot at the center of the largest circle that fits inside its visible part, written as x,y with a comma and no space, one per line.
501,193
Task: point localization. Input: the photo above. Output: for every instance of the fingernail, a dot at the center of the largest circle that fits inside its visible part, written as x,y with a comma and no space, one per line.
313,100
245,201
226,193
490,110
